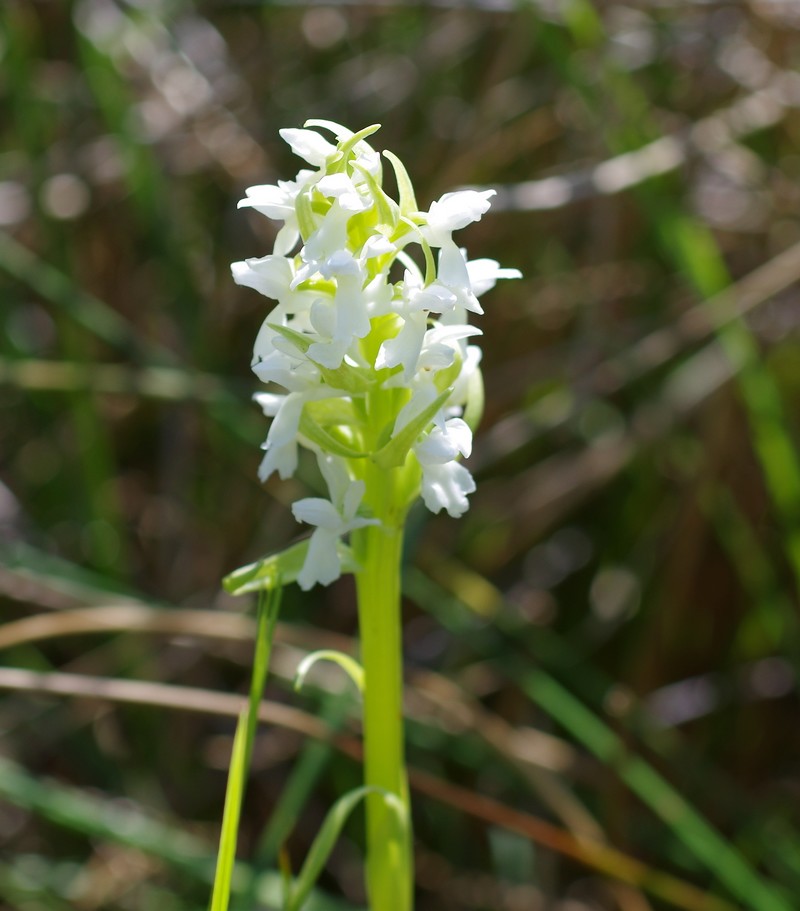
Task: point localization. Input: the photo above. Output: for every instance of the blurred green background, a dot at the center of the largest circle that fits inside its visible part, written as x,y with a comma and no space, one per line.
603,654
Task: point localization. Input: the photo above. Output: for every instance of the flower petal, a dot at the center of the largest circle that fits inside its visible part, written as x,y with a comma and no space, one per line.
406,346
282,459
309,146
484,273
441,446
456,210
322,564
316,511
352,500
446,487
269,275
336,477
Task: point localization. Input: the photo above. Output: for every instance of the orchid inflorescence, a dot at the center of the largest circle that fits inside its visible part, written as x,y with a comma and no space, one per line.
369,340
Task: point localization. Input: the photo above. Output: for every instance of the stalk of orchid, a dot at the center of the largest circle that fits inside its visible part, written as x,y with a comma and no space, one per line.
380,380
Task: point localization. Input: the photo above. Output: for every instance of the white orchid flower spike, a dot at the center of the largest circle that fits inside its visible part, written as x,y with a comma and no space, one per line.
369,366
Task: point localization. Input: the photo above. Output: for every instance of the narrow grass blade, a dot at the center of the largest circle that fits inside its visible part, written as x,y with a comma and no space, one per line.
305,773
771,622
104,819
242,751
327,836
717,855
563,659
234,793
119,823
348,664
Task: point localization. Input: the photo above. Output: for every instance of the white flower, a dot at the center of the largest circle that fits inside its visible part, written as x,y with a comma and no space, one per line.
325,252
309,145
332,518
278,202
454,275
484,273
470,365
446,487
445,483
406,346
366,157
270,275
281,443
443,343
377,245
341,187
433,297
454,211
414,305
343,319
275,360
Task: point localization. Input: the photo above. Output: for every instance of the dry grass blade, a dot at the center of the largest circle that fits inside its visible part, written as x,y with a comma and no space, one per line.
143,692
589,852
126,618
130,616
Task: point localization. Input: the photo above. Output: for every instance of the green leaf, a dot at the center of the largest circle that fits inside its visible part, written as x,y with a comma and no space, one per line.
355,380
446,377
385,436
347,663
279,569
328,835
300,341
405,189
394,453
349,144
310,429
338,162
320,204
305,214
388,210
430,262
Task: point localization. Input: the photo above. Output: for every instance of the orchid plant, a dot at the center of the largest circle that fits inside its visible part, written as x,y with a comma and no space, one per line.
371,350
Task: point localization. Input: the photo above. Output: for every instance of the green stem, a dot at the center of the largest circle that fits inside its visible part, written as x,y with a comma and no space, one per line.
389,860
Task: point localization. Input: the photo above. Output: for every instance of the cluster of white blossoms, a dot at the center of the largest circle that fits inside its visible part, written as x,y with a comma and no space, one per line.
369,339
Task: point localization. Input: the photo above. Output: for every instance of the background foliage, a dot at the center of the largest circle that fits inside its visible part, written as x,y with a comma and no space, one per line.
603,655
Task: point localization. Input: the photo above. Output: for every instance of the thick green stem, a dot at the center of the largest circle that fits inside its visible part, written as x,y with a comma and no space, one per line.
389,861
